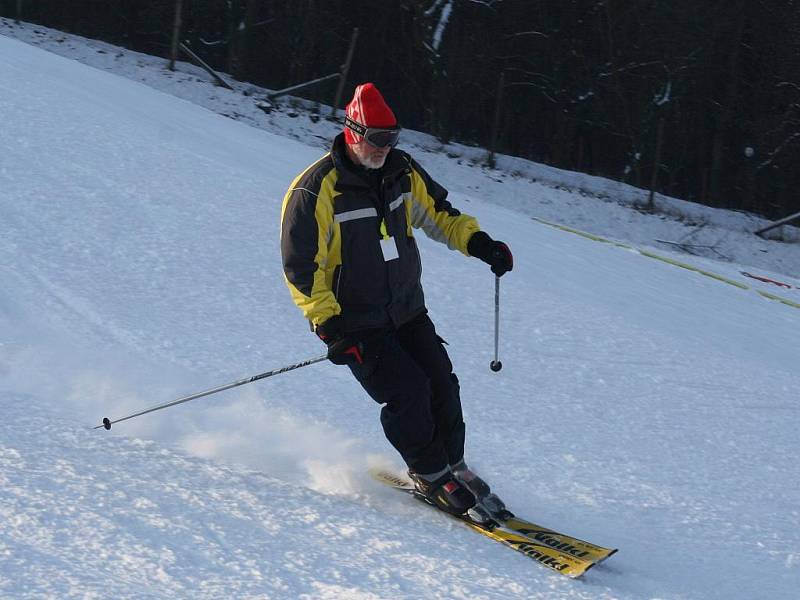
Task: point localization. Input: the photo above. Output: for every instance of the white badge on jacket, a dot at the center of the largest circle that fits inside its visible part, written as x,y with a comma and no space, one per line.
389,249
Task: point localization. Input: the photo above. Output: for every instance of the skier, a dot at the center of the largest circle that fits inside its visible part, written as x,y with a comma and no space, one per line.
351,263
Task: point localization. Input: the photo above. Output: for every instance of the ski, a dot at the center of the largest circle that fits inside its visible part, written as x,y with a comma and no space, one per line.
561,553
577,547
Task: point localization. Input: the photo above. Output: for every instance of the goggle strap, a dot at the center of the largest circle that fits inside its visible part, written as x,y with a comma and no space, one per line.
355,126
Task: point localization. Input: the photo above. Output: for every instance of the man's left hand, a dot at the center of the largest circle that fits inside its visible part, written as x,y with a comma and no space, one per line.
494,253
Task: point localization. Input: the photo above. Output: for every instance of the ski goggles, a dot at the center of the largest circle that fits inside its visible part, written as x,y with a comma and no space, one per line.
375,136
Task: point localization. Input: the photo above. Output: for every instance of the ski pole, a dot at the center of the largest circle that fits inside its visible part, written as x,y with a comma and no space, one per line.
107,423
496,365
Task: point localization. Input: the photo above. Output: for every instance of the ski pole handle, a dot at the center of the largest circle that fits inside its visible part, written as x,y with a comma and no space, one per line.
496,365
107,423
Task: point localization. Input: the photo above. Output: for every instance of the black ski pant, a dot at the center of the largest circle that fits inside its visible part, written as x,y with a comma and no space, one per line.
409,372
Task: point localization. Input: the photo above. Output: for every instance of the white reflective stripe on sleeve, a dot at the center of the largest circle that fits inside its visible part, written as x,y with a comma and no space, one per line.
361,213
324,262
399,202
421,218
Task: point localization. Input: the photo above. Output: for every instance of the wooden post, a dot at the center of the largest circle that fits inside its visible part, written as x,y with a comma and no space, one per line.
176,34
651,204
501,82
345,71
19,11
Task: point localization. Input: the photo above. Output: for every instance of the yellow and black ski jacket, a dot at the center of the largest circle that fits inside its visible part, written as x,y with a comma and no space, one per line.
348,244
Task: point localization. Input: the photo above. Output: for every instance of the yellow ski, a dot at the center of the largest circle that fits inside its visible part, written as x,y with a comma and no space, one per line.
567,543
564,554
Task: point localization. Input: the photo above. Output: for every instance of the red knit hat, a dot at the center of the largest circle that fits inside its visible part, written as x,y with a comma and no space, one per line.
369,109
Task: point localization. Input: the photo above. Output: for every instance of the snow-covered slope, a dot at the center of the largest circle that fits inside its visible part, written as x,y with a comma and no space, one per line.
641,405
599,205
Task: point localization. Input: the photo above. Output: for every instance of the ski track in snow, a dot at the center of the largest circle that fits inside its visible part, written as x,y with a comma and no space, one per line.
640,405
109,517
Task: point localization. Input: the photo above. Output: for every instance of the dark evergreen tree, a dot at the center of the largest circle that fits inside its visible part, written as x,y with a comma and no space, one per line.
697,100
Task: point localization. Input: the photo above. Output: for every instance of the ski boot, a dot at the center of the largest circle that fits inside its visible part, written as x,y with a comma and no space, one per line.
488,503
445,492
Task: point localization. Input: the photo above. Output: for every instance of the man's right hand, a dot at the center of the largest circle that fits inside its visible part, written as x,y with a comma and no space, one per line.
342,348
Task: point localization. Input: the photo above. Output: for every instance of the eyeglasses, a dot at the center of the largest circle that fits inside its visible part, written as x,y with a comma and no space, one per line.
375,136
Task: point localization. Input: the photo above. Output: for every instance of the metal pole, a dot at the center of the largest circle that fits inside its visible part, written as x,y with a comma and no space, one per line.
107,423
300,86
783,221
201,63
496,365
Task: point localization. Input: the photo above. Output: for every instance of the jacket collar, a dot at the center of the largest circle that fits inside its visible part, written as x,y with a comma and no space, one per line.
397,163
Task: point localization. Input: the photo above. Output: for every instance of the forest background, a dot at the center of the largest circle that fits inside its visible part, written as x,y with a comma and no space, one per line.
698,100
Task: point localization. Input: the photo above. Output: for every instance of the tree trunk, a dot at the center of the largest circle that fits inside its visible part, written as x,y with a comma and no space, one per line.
234,54
651,203
724,115
246,63
337,100
496,124
176,34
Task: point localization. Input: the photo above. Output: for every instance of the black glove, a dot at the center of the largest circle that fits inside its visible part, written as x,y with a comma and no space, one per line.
496,254
342,348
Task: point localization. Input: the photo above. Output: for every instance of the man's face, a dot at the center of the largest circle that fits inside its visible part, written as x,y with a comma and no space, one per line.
368,155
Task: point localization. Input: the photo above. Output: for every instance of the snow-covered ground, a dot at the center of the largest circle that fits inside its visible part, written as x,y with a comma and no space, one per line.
641,405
